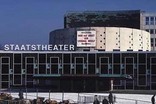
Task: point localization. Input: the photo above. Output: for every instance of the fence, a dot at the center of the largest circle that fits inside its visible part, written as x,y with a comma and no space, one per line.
74,98
89,99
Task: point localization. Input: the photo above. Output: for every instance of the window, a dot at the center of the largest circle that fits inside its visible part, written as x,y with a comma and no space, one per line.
152,21
151,41
151,31
147,21
147,30
151,44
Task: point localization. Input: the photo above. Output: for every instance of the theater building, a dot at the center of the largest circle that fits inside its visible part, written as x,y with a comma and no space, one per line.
103,58
122,18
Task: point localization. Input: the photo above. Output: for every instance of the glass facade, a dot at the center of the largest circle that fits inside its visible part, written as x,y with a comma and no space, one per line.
125,18
77,70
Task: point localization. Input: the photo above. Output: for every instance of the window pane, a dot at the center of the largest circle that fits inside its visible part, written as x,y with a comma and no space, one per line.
147,21
152,31
147,18
147,30
152,18
152,21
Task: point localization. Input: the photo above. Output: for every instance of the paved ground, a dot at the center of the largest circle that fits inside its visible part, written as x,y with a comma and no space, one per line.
73,97
122,96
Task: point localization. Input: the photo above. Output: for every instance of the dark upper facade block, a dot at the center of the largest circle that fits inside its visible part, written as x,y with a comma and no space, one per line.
126,18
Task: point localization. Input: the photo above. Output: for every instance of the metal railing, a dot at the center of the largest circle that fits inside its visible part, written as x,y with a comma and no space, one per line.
81,98
89,99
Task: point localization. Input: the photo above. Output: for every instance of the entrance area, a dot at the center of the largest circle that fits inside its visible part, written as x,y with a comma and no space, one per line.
74,84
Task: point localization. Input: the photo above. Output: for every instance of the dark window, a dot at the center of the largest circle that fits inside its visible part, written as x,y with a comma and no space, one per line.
17,79
54,60
104,69
153,60
142,80
66,58
42,58
91,69
66,69
5,60
42,69
17,58
129,69
147,21
152,21
151,31
91,58
5,78
152,18
116,69
151,40
116,58
29,60
5,69
142,58
147,30
147,18
54,69
79,69
17,69
142,69
30,69
151,45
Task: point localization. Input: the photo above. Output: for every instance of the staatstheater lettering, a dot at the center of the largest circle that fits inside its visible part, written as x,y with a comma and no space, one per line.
39,47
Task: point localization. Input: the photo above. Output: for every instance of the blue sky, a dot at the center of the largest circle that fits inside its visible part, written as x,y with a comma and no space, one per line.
30,21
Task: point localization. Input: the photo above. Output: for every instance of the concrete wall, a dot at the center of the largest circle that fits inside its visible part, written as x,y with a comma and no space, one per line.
107,38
